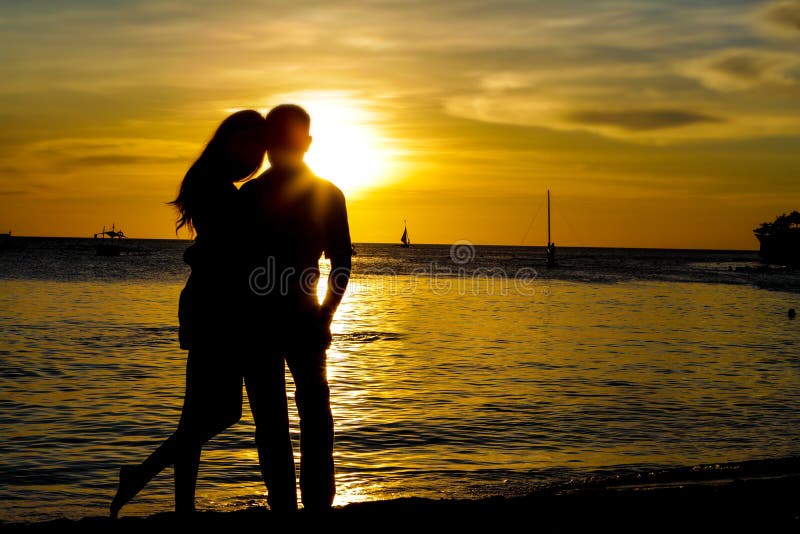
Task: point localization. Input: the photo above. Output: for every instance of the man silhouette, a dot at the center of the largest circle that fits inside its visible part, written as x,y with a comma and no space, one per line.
294,218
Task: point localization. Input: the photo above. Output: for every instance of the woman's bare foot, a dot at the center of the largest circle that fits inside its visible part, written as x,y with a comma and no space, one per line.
130,483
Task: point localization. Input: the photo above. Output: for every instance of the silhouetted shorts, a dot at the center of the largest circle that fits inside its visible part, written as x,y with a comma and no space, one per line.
206,308
213,399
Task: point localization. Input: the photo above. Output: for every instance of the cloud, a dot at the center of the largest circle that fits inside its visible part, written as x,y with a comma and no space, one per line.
117,160
72,164
639,124
635,120
781,18
502,81
742,69
82,152
608,66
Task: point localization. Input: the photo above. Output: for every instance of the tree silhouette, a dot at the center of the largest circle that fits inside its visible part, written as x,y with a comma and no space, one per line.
783,224
780,239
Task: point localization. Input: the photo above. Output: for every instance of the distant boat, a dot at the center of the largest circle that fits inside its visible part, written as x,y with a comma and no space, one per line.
780,240
550,250
5,240
109,242
404,239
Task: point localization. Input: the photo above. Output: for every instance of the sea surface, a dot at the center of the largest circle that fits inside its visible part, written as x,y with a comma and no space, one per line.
456,371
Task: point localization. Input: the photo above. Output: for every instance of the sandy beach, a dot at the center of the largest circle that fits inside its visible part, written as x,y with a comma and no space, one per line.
763,500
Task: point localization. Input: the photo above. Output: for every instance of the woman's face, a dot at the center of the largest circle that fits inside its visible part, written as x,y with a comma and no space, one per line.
246,153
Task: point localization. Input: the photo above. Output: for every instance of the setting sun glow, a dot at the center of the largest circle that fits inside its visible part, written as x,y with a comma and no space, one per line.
347,148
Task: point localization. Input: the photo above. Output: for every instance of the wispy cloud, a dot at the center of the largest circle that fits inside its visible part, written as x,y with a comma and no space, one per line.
613,67
741,69
781,18
636,120
107,151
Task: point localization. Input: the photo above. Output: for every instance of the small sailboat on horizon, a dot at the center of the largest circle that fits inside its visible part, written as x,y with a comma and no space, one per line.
550,250
404,239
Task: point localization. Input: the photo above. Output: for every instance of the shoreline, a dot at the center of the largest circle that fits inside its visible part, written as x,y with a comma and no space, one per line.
744,498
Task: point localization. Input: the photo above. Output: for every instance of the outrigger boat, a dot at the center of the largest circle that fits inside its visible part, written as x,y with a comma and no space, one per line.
109,242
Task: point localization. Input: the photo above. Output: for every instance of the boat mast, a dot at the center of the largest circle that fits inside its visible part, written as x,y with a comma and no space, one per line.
550,251
548,218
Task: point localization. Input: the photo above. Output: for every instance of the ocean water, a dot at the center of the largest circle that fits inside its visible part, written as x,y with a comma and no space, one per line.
455,371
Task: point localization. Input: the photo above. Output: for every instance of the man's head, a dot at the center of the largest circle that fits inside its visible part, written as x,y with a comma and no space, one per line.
288,127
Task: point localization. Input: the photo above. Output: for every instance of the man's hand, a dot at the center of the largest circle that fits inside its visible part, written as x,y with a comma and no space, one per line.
325,314
339,250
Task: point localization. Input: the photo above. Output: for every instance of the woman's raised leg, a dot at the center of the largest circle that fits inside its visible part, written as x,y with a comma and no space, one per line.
212,403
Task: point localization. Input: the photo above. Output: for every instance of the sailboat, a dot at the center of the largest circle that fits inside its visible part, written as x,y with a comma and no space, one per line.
550,250
404,240
108,244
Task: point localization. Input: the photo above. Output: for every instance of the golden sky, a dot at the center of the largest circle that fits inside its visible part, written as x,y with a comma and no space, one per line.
655,124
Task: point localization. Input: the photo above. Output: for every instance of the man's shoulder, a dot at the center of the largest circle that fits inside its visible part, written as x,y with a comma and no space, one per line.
326,188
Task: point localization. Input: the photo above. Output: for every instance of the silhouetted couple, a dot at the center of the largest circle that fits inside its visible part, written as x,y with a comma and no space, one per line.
250,305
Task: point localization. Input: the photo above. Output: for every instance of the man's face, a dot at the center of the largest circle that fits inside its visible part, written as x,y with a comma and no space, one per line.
288,145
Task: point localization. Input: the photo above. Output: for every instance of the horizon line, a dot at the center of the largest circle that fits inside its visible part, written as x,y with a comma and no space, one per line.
392,243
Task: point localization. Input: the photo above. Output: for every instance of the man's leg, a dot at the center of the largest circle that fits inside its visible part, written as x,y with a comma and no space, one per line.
266,391
312,395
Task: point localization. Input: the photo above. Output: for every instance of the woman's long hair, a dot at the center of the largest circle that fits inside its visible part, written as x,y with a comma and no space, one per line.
234,153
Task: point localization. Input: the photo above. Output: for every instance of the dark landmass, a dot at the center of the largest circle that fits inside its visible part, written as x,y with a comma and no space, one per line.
766,502
780,240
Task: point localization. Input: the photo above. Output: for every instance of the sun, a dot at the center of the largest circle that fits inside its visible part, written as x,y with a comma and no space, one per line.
348,147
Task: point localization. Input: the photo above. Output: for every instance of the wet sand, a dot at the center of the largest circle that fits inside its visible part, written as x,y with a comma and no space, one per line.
756,502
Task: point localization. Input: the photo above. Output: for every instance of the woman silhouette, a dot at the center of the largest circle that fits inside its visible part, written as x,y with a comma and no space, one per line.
207,205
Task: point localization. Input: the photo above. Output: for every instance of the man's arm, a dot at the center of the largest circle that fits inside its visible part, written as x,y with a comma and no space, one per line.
338,249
